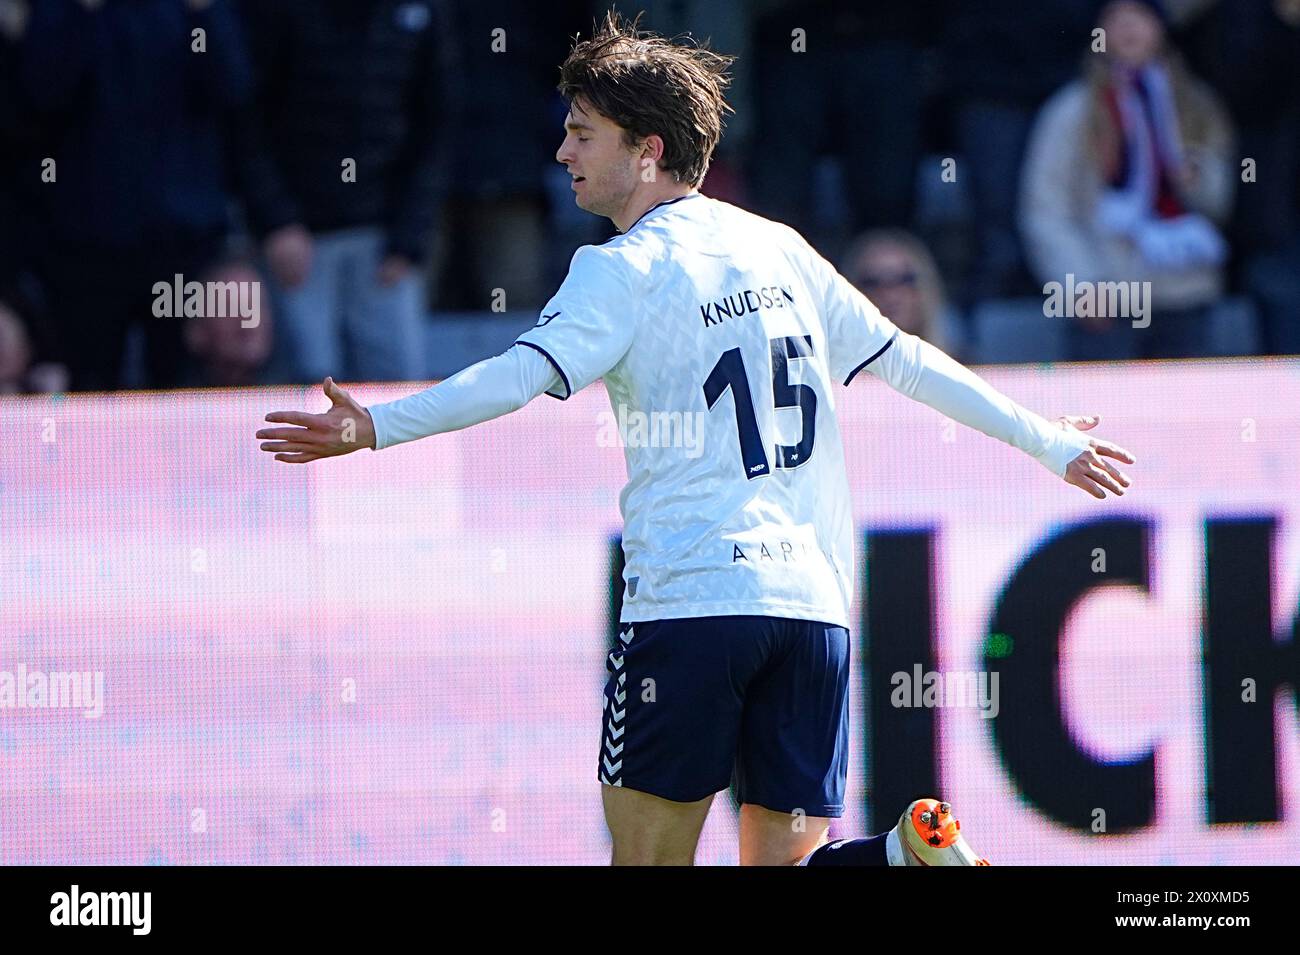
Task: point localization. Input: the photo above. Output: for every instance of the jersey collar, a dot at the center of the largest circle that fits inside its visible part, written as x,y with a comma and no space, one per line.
659,205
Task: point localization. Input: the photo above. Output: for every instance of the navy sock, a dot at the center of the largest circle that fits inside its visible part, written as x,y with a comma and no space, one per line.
852,852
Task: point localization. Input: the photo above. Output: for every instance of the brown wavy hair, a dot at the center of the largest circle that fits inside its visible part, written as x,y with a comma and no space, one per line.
650,85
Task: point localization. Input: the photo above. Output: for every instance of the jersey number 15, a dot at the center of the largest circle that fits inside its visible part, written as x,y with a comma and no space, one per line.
729,372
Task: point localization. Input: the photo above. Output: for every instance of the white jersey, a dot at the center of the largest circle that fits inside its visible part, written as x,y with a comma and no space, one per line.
720,336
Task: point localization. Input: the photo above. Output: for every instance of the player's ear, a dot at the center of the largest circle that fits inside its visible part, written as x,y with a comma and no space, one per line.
652,147
652,150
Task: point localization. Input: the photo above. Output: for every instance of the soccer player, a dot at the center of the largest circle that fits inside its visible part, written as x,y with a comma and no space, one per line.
739,560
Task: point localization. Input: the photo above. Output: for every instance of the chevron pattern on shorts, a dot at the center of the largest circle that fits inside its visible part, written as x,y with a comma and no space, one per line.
614,713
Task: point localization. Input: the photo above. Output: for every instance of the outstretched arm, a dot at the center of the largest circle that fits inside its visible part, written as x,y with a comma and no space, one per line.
860,337
923,372
492,388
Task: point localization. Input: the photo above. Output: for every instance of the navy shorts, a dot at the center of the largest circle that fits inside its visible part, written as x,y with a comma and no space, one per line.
690,701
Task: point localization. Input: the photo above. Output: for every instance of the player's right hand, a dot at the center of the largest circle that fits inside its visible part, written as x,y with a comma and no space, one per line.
1090,470
345,428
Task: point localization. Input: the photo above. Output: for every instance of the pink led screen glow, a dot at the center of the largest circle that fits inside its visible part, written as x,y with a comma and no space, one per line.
398,657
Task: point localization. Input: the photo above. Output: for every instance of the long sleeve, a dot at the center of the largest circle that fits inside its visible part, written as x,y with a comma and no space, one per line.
915,368
494,387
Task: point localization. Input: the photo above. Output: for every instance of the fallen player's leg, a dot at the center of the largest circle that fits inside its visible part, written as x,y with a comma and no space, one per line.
927,834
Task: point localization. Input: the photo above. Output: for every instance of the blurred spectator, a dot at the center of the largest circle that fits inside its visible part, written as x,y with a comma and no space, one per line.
232,351
15,352
843,80
1003,59
26,340
1126,169
492,235
133,109
1250,49
894,269
343,173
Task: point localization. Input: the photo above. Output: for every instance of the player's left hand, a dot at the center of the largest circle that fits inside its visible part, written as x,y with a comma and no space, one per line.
1090,470
345,428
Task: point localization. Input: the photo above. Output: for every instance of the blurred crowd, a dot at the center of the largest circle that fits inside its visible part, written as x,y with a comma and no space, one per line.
338,175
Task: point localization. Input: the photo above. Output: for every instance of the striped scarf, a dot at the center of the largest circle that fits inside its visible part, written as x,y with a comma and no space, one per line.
1140,104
